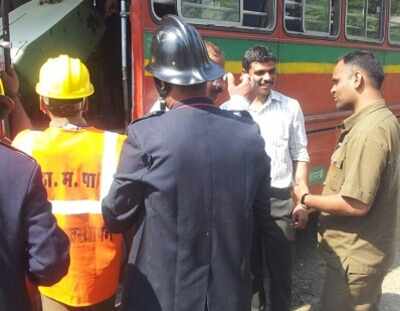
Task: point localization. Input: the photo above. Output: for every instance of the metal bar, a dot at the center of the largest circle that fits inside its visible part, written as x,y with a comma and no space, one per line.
255,13
137,56
124,62
5,6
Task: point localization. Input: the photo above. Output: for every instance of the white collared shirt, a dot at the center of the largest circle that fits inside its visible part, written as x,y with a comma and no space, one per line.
281,123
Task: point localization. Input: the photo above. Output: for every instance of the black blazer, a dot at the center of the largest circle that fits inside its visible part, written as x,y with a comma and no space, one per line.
192,178
31,244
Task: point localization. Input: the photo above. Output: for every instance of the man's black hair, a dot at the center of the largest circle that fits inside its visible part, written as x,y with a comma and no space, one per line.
64,108
367,61
259,54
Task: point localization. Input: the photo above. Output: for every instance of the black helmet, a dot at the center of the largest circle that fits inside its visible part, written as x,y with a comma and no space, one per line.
179,55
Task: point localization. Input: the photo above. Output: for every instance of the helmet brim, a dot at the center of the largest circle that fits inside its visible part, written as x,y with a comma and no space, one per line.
208,72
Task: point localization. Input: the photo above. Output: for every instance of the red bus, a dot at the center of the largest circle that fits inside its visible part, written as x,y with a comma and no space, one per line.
307,36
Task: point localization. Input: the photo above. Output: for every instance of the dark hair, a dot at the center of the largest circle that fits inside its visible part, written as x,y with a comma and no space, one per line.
259,54
367,61
64,108
164,88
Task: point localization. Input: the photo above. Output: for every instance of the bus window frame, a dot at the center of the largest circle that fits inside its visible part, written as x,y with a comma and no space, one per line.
153,14
391,42
215,24
364,39
313,34
261,29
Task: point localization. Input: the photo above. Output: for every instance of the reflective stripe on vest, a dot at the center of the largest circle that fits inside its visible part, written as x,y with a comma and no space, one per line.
78,167
108,168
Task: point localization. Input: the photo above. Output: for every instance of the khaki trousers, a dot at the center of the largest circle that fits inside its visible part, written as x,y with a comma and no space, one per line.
49,304
347,291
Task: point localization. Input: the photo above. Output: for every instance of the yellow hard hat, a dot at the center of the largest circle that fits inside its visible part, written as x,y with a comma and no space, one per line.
64,77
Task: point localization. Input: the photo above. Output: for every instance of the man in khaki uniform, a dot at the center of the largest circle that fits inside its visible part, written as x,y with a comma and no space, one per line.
360,198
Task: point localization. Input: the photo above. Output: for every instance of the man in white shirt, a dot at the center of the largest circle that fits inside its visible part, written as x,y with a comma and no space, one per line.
281,123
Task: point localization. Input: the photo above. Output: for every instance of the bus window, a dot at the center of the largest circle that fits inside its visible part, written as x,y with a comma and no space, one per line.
259,14
312,17
237,13
394,23
163,7
294,15
211,11
364,20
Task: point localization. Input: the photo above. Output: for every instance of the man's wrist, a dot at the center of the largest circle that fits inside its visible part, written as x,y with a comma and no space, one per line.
303,200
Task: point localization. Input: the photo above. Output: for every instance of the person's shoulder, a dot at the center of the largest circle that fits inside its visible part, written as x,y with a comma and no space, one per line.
284,99
379,125
236,102
149,117
241,116
27,134
386,118
15,155
280,96
26,138
241,124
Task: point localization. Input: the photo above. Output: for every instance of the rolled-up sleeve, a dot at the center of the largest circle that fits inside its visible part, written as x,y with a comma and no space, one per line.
47,244
123,205
298,135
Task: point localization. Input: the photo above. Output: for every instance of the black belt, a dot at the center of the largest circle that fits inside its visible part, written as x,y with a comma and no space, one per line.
281,193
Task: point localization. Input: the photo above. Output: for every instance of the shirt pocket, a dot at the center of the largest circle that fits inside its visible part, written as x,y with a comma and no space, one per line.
280,137
335,178
281,142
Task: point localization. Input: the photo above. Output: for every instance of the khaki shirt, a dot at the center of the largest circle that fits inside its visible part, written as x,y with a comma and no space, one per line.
365,167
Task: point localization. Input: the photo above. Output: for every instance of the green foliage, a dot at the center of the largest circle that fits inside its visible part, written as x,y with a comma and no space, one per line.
355,18
364,18
220,10
395,21
316,17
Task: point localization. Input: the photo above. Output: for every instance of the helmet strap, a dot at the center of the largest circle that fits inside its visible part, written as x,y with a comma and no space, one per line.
163,88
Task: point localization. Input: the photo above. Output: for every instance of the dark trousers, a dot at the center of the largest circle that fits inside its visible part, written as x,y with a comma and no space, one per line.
273,257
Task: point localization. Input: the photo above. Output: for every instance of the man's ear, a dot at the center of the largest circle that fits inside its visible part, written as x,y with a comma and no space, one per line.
358,79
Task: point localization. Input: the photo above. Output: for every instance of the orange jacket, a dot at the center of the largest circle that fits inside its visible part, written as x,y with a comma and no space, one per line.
78,165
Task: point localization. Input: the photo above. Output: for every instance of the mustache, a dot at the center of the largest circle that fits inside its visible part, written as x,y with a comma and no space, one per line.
264,82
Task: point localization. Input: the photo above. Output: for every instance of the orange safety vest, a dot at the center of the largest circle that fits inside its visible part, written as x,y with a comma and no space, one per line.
78,165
